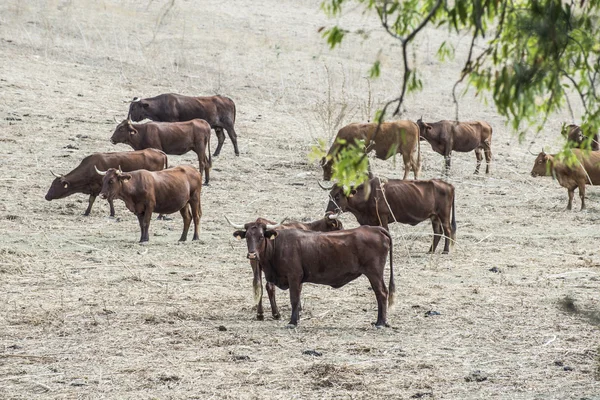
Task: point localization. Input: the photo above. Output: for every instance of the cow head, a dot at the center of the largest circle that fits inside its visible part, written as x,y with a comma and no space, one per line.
327,168
112,182
424,128
255,234
59,188
124,133
542,165
338,200
139,109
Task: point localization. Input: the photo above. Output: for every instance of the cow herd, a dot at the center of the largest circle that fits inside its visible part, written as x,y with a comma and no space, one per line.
290,254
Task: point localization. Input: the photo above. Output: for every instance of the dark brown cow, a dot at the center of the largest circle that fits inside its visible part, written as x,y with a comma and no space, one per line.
411,202
586,171
164,192
401,136
447,136
291,257
218,111
578,139
171,137
84,179
328,223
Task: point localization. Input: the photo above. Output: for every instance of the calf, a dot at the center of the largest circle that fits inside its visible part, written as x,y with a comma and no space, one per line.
291,257
447,136
586,171
164,192
397,137
578,139
218,111
171,137
380,202
326,224
83,179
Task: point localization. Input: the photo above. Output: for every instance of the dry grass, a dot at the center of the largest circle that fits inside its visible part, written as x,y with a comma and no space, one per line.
85,312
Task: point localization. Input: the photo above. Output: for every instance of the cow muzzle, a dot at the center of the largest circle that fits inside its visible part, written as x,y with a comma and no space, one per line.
252,256
112,141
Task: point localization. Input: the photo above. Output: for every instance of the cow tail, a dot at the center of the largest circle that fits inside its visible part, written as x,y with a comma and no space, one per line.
166,164
209,152
234,111
418,154
453,220
392,284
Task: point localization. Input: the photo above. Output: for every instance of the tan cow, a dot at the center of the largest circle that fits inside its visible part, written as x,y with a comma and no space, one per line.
403,136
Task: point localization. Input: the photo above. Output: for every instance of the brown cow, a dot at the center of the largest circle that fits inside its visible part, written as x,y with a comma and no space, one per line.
291,257
326,224
171,137
218,111
447,136
578,139
586,171
411,202
84,179
165,192
401,136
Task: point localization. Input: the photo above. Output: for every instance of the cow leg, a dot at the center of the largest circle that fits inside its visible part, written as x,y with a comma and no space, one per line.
233,137
571,192
271,292
488,157
582,196
447,235
437,233
112,208
447,158
196,207
220,140
381,293
187,220
90,204
207,167
257,289
406,157
144,220
295,290
479,155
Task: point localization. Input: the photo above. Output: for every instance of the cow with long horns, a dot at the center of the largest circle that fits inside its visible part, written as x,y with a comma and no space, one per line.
379,202
83,179
218,111
584,170
166,192
328,223
171,137
291,257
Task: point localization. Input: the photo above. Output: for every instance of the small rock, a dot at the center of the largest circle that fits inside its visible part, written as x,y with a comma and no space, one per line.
312,353
476,376
431,313
558,363
72,147
78,383
567,368
495,269
222,328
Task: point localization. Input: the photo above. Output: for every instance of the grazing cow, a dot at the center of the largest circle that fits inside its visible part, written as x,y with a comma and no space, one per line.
291,257
326,224
446,136
171,137
586,171
165,192
576,136
393,137
84,178
407,202
218,111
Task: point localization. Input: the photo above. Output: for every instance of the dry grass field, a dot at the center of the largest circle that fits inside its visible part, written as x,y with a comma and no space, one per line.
86,312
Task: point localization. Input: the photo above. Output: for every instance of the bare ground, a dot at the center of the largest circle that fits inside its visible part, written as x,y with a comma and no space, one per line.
85,312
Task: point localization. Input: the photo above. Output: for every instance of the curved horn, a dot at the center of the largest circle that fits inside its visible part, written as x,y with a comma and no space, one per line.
115,118
531,152
325,187
120,171
100,172
56,175
269,226
136,99
236,226
334,216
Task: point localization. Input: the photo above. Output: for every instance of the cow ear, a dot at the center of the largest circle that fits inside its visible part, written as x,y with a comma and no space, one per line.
65,184
352,193
239,235
125,177
145,105
271,235
428,127
132,130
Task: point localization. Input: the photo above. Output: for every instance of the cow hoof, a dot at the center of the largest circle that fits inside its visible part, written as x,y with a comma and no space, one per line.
216,155
277,316
195,238
291,326
206,184
260,317
445,252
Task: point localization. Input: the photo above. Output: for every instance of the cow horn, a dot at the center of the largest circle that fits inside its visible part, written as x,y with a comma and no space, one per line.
56,175
136,99
120,171
334,216
115,118
269,226
531,152
236,226
324,187
100,172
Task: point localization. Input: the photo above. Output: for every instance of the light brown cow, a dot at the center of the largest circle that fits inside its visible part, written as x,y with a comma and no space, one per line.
401,136
585,172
